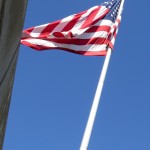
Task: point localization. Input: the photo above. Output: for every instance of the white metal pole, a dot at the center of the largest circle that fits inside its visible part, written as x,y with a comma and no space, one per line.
88,130
96,101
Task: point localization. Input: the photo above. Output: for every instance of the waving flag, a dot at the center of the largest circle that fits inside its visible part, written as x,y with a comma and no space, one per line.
90,32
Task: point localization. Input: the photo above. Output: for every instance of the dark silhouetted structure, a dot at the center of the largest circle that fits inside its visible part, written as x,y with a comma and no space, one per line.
12,13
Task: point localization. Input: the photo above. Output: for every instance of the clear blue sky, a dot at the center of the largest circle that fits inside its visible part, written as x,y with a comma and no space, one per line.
53,90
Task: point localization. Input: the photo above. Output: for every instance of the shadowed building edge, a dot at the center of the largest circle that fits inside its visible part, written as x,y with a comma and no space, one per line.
12,14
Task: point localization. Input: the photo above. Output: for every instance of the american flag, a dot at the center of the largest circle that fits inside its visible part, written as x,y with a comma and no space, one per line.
90,32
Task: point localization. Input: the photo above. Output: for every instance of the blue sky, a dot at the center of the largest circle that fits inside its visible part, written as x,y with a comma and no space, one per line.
53,90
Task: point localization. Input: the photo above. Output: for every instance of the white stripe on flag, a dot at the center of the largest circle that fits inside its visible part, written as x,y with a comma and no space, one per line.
89,47
63,23
37,30
100,13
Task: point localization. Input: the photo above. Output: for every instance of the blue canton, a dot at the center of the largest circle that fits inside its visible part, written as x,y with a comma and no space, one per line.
114,6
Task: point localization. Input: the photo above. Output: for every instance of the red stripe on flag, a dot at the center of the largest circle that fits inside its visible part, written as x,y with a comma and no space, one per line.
81,52
71,24
49,28
90,21
90,18
97,41
98,28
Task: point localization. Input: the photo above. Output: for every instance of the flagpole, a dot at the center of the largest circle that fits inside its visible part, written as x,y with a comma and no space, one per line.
88,130
96,101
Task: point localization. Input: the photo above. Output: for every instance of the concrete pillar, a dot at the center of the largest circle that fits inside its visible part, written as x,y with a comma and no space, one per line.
12,13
